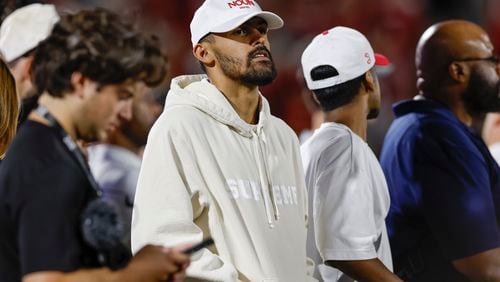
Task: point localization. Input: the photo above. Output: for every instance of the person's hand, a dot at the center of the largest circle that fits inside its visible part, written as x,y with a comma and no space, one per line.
180,275
155,263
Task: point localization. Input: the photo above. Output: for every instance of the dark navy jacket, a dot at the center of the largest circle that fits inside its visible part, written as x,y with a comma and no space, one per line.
445,191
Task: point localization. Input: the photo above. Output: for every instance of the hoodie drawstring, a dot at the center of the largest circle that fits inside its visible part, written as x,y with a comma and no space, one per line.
265,181
268,173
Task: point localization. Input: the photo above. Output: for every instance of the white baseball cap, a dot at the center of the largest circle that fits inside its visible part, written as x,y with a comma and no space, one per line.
225,15
345,49
25,28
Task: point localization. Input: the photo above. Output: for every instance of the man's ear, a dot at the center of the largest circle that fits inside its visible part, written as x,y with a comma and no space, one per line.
21,68
458,72
368,82
78,82
314,97
202,53
28,62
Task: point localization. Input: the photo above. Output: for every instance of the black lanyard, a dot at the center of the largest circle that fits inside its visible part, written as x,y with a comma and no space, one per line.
71,146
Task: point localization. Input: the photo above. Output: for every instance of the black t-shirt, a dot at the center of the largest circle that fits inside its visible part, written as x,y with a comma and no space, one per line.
43,191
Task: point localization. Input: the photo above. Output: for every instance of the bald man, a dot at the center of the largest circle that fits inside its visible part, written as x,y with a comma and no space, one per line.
444,217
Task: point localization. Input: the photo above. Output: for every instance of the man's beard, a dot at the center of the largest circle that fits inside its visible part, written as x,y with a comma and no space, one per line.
260,73
480,96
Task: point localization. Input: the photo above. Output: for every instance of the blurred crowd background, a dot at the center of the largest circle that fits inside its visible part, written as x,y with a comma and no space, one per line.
392,26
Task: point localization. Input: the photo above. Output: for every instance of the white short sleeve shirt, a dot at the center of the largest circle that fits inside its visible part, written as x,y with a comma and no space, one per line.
348,200
495,151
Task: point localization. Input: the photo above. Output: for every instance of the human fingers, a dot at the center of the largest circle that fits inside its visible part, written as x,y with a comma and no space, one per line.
177,256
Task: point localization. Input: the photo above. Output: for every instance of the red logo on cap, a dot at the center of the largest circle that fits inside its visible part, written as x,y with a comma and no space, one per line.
325,32
242,4
368,59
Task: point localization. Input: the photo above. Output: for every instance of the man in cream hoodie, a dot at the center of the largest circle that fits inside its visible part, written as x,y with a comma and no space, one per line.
218,164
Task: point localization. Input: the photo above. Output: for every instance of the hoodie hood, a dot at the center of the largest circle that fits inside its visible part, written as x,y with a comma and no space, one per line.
198,92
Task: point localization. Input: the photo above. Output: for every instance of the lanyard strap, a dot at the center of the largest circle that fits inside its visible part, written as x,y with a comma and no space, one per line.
71,146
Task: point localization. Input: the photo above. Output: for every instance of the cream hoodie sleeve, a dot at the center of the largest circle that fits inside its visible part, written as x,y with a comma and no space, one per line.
165,202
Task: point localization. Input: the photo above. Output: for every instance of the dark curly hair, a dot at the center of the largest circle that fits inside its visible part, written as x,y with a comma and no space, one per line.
101,47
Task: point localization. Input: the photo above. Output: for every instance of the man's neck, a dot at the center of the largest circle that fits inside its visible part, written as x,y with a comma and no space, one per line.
59,108
457,107
245,99
352,115
459,110
317,118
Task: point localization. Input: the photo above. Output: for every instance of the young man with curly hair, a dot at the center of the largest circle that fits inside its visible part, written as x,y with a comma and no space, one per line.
87,70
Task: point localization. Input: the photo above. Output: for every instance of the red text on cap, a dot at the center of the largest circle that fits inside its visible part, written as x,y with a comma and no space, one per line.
368,59
242,4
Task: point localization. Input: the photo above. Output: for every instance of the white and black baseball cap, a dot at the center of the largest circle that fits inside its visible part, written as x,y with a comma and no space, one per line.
343,48
225,15
25,28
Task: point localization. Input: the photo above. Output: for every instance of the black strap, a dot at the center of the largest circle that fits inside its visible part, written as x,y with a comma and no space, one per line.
71,146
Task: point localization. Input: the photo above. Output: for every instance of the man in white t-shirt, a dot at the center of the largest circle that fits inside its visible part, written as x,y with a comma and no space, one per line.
348,195
491,134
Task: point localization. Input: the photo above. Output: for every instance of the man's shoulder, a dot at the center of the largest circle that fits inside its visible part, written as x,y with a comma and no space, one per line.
178,119
179,116
281,125
183,111
425,126
35,149
25,175
30,129
330,143
33,140
334,135
436,129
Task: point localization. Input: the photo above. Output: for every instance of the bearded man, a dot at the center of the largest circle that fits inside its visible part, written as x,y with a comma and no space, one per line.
218,164
444,185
